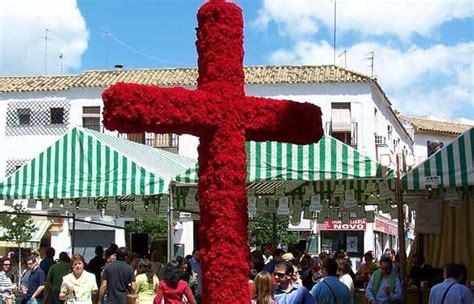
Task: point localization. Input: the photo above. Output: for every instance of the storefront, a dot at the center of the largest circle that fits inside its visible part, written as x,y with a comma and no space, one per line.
349,237
386,235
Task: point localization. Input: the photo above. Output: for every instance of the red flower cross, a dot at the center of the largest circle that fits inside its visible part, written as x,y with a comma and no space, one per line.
223,118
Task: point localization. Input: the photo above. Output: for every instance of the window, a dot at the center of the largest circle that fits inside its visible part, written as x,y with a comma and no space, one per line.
91,118
24,116
56,116
341,117
433,146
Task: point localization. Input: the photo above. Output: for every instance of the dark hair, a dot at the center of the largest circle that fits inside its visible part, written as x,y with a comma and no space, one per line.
386,259
182,261
330,265
144,266
64,257
457,272
419,258
122,253
279,252
5,259
99,250
194,251
31,258
287,265
344,265
172,274
369,255
50,252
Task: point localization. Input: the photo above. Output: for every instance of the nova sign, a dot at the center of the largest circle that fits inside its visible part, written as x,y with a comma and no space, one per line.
354,224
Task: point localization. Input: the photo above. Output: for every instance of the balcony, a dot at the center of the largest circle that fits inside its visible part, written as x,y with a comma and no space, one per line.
169,142
348,137
380,141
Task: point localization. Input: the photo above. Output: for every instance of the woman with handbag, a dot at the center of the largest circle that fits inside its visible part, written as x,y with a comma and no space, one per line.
146,282
79,286
173,289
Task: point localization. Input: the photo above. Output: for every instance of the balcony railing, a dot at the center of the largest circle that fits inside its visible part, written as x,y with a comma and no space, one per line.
349,137
381,141
150,139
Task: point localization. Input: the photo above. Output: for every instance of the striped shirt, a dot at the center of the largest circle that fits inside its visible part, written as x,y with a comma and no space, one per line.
5,286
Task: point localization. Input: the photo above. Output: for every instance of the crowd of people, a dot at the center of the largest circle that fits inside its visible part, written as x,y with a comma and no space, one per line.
112,276
294,278
276,277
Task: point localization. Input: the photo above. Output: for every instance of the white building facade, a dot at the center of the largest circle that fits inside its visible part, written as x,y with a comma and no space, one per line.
35,111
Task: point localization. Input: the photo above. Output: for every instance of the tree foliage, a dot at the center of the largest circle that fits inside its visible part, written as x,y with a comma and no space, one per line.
152,226
261,230
18,227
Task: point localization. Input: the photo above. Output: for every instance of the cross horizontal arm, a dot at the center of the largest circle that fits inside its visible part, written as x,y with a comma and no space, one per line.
282,120
131,108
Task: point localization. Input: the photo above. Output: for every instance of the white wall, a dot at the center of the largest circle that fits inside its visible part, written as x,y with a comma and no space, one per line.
420,147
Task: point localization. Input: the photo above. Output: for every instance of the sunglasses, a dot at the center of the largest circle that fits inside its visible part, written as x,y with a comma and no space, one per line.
279,274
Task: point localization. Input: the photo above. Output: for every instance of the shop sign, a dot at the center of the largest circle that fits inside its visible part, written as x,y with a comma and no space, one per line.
354,224
385,227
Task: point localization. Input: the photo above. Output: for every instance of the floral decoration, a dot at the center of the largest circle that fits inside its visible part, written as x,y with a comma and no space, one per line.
223,118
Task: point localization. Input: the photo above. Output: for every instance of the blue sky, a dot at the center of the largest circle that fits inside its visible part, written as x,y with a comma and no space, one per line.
424,49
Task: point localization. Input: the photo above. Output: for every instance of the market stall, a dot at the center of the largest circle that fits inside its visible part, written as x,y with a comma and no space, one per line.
441,192
328,182
88,173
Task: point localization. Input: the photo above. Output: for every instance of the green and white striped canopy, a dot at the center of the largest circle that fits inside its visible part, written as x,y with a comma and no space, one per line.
329,159
86,163
452,166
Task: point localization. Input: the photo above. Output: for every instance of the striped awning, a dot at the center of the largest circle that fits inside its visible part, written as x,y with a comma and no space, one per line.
86,164
41,226
329,159
451,166
276,169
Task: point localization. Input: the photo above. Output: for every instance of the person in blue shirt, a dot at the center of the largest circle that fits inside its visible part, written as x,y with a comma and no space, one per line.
287,291
452,290
384,284
330,290
34,292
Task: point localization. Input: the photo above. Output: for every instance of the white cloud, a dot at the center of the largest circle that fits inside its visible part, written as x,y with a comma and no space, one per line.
22,31
401,18
431,78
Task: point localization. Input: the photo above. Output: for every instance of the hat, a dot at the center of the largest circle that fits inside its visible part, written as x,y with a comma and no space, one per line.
287,257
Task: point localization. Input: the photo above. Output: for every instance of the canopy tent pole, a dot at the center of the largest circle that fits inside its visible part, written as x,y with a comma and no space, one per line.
170,222
73,235
401,231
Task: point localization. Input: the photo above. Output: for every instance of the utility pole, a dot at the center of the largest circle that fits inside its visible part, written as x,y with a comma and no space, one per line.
334,38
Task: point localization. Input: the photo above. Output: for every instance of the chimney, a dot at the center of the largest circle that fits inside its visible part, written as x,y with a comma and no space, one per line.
118,67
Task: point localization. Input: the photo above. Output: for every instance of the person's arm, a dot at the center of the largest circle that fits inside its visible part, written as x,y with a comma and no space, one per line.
397,293
41,281
102,290
188,294
38,291
159,295
369,290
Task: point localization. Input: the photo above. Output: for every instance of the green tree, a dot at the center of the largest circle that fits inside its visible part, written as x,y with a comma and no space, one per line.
153,226
261,228
19,228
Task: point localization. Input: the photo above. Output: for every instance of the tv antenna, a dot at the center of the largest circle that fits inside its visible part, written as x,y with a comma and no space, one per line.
371,56
46,39
345,58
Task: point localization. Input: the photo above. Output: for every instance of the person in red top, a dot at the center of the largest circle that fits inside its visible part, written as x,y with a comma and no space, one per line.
172,289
